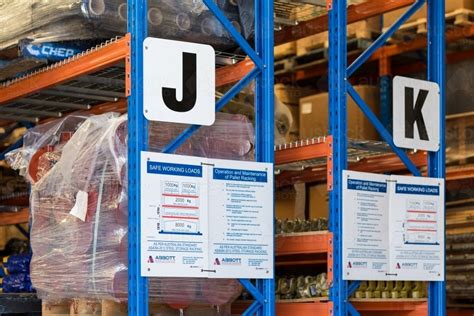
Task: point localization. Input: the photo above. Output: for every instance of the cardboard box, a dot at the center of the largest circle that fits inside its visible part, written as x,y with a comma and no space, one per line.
319,201
451,5
314,118
291,204
460,138
285,200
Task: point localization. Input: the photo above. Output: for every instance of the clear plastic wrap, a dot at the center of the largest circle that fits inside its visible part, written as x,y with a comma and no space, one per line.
63,20
81,252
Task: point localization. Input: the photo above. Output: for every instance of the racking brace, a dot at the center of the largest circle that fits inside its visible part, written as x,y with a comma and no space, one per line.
262,57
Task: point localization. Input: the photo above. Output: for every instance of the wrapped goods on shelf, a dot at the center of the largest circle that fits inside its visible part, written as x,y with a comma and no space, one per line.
391,290
77,168
65,20
283,122
288,226
291,287
231,137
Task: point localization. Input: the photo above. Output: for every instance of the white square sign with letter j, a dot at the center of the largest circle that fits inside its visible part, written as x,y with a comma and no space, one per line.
178,82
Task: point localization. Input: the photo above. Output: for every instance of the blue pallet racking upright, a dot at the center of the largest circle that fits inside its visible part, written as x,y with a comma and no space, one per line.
339,87
262,73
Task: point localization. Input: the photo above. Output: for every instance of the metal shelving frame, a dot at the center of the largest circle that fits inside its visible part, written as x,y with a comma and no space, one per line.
339,87
262,73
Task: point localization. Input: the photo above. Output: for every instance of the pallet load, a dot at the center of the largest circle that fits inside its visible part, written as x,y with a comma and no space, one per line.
314,114
460,12
35,32
77,168
60,20
286,112
362,30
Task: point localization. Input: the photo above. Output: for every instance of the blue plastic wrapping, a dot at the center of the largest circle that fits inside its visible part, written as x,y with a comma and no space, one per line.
16,264
16,283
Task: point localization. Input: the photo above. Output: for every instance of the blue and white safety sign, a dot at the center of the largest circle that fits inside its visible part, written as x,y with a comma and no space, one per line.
393,227
206,217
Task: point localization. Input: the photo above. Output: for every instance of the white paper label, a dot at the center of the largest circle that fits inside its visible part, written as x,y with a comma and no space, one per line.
79,209
206,217
394,227
306,108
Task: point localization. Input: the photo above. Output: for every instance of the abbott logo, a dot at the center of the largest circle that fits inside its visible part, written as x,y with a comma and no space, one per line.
165,259
179,82
231,261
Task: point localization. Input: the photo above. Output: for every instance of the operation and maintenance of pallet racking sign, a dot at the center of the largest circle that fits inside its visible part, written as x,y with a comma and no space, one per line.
206,217
394,227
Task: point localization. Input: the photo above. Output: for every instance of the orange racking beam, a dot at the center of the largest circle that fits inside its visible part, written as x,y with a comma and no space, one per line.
420,43
13,218
377,164
95,60
451,58
355,13
394,307
304,243
301,153
92,61
230,74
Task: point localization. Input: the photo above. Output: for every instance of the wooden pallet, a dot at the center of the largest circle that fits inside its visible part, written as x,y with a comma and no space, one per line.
92,307
284,51
419,27
85,307
284,65
362,30
321,55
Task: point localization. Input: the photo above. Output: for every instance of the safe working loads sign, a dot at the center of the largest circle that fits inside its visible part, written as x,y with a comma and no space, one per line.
393,227
178,82
416,114
206,217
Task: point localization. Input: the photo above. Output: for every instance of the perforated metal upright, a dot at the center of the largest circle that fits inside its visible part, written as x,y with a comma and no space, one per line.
262,56
339,87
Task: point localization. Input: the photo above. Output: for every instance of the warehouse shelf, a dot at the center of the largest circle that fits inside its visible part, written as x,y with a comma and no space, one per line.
356,12
292,307
13,218
307,160
386,53
303,243
412,307
321,306
96,81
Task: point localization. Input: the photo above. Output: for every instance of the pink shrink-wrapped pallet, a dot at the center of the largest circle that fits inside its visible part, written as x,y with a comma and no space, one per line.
77,170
